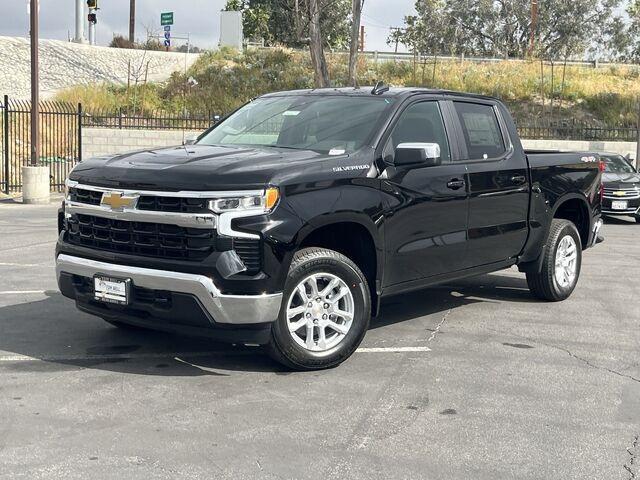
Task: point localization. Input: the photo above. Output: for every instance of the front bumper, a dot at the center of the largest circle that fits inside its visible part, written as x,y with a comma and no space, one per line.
220,308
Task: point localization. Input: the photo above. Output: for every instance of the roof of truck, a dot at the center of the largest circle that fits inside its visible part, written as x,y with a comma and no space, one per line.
367,91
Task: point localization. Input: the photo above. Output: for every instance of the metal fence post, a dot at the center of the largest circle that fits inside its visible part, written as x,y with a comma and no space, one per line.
79,132
638,137
5,114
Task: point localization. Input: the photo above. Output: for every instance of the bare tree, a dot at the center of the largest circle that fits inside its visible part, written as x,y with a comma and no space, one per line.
355,40
316,47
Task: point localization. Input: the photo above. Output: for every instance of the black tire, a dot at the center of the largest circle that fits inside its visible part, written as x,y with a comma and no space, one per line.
283,348
543,284
638,219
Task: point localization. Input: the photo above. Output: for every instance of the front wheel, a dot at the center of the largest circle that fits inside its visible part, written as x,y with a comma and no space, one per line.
638,219
325,311
561,263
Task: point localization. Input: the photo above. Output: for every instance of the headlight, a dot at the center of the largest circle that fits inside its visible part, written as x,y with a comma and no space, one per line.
262,203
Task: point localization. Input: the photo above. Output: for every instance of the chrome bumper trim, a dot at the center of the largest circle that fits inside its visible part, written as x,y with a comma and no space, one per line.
155,193
225,309
189,220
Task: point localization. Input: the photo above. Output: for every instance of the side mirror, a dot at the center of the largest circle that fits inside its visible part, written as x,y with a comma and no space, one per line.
418,154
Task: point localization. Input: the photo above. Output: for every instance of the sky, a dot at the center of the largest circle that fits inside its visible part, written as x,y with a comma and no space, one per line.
199,18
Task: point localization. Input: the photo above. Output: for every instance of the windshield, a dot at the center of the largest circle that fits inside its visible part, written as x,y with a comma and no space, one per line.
325,124
617,164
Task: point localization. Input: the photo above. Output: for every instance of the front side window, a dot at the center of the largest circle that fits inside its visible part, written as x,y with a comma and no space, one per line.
481,130
420,123
326,124
617,164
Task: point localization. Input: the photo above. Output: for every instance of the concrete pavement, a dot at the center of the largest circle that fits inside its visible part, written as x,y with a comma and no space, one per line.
499,386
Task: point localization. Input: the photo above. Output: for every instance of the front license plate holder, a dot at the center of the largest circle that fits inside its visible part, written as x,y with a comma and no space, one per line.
111,289
619,205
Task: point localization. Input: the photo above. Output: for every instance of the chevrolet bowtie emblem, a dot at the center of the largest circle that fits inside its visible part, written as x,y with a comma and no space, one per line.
619,194
118,201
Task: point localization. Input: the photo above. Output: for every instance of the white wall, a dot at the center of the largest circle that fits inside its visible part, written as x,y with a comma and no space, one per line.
623,148
65,64
106,141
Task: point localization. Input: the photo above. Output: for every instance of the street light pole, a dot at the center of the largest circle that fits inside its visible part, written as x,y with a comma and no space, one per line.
35,91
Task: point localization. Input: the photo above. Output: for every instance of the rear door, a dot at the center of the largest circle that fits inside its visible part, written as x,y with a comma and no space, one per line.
426,221
498,182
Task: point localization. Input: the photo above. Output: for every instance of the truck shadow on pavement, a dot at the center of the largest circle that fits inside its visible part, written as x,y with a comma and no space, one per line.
50,335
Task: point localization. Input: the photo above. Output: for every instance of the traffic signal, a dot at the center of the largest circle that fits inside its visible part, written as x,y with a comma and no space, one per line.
92,4
93,18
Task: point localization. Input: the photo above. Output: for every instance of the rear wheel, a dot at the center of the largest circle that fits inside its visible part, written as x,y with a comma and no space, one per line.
561,263
325,311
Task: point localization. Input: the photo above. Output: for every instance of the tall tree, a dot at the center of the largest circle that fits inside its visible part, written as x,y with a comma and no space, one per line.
316,46
502,28
287,22
356,9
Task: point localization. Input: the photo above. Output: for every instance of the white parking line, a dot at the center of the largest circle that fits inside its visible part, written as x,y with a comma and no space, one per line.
393,350
176,356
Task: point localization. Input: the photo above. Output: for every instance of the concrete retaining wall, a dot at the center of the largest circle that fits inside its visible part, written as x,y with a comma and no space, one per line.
64,64
106,141
623,148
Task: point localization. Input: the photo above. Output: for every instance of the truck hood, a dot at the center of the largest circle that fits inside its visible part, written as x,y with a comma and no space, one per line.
620,180
203,167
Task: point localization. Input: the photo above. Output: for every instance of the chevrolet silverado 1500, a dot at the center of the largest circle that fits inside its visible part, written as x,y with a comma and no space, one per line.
286,223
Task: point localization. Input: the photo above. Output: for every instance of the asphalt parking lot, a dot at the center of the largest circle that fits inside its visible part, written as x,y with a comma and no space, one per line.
473,380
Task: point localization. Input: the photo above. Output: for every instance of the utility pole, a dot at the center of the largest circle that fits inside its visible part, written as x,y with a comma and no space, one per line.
79,37
35,91
638,137
534,26
132,21
362,38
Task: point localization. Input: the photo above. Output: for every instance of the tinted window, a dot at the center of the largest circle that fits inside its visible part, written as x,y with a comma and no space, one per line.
421,123
617,164
481,130
327,124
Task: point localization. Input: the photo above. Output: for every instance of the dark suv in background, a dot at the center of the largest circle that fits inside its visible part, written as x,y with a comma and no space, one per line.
621,187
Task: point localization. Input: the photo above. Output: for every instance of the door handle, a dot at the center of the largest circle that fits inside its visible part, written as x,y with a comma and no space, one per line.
519,179
455,184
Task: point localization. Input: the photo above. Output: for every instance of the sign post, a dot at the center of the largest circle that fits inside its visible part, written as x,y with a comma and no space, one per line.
166,20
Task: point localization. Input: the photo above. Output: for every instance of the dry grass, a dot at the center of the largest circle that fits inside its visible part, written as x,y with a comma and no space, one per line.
228,78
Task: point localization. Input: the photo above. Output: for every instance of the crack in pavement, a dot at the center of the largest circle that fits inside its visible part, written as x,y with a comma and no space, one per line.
589,363
361,433
437,329
571,354
632,451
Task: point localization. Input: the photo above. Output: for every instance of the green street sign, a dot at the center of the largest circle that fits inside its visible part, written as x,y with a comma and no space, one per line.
166,18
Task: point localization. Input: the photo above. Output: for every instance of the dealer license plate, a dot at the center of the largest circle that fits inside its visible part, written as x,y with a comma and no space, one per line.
111,290
619,205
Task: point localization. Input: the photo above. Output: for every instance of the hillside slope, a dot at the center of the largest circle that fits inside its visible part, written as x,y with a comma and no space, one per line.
64,65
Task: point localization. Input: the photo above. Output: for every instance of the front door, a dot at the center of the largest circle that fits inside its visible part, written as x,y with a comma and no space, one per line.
426,221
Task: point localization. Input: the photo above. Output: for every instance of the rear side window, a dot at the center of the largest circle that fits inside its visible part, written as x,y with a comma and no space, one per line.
481,130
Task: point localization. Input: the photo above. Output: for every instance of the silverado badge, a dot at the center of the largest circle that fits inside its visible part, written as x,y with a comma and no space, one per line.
118,201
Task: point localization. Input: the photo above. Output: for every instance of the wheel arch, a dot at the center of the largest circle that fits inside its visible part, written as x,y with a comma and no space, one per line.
575,208
355,237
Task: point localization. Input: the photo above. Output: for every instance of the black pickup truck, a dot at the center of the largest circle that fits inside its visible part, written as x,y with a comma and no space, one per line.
288,222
